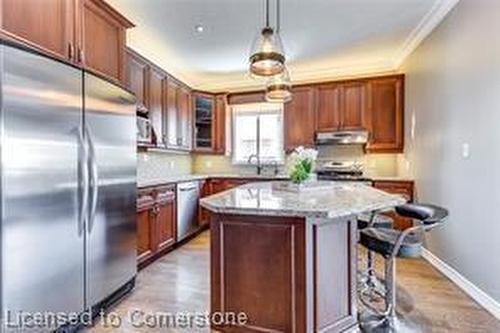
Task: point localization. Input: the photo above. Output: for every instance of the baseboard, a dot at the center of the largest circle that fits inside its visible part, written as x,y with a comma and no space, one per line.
486,301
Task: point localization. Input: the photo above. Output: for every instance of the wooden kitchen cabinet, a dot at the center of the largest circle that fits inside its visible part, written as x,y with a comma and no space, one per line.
171,90
300,120
49,25
353,105
165,218
205,191
138,78
184,118
386,116
145,226
103,35
328,107
220,124
156,222
157,110
88,33
404,188
341,106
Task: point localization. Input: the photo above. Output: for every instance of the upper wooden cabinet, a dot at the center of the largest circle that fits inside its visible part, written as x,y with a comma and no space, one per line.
341,106
353,105
137,78
88,33
328,107
184,118
48,24
300,120
178,113
156,105
220,124
103,37
386,113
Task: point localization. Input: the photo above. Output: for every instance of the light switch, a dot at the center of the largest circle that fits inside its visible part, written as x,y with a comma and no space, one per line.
465,150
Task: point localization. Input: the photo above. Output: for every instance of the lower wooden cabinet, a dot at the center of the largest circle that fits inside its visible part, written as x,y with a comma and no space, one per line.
156,221
404,188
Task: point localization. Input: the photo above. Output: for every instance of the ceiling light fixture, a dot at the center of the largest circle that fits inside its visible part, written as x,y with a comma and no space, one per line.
279,88
267,57
199,28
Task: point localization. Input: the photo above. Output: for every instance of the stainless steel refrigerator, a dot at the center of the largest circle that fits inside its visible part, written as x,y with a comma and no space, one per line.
68,187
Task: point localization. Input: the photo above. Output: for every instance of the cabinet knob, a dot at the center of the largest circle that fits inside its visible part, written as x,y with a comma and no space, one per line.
79,55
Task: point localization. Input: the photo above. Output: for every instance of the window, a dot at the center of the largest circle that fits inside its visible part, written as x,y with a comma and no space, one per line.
258,129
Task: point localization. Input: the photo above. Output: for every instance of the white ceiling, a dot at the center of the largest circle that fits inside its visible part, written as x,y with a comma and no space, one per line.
323,39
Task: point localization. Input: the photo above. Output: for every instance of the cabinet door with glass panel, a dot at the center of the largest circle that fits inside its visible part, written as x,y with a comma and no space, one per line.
258,134
204,122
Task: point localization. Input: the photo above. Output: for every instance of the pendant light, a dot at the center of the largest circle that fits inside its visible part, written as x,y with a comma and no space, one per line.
267,57
279,88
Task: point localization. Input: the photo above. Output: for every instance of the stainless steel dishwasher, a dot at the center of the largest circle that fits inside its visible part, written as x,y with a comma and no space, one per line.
188,194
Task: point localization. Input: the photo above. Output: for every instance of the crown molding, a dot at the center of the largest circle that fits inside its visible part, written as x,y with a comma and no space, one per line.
245,83
429,22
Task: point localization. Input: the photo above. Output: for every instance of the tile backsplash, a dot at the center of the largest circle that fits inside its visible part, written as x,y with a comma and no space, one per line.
160,165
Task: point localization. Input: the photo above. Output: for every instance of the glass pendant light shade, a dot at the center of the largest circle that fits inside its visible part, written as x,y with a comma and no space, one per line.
267,57
279,88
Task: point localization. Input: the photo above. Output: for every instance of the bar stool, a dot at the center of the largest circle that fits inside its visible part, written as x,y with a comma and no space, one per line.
366,278
391,243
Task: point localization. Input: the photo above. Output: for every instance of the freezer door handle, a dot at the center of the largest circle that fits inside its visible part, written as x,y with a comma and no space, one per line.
83,180
94,178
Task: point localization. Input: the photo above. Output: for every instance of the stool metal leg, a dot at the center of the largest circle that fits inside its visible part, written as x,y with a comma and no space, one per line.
390,287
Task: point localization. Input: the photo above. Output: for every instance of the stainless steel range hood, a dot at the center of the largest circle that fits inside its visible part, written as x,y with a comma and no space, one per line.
353,137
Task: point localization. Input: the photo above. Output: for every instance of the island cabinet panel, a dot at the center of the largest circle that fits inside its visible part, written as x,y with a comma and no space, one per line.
285,273
258,267
300,118
48,24
156,105
385,119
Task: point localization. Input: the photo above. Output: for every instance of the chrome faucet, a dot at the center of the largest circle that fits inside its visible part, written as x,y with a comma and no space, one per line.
259,166
275,165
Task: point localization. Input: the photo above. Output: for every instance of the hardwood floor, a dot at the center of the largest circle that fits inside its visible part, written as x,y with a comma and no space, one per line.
179,282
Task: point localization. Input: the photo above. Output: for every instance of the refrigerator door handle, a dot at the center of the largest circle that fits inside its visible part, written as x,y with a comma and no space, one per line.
83,177
94,177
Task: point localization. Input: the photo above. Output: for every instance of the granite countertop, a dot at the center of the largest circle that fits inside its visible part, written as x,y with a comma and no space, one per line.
191,177
334,201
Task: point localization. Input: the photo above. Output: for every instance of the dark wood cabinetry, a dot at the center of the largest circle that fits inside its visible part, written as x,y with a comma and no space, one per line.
385,119
300,120
353,105
88,33
49,24
156,105
220,124
103,38
184,118
137,78
404,188
210,122
328,107
156,222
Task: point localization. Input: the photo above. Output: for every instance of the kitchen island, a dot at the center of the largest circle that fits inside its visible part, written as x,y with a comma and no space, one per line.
286,259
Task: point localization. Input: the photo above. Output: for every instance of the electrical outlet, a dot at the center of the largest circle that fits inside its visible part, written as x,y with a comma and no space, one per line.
465,151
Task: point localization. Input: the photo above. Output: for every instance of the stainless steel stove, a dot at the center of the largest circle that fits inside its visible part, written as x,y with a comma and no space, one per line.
349,171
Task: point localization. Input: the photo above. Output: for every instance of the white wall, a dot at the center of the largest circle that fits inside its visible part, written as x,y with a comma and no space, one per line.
452,98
